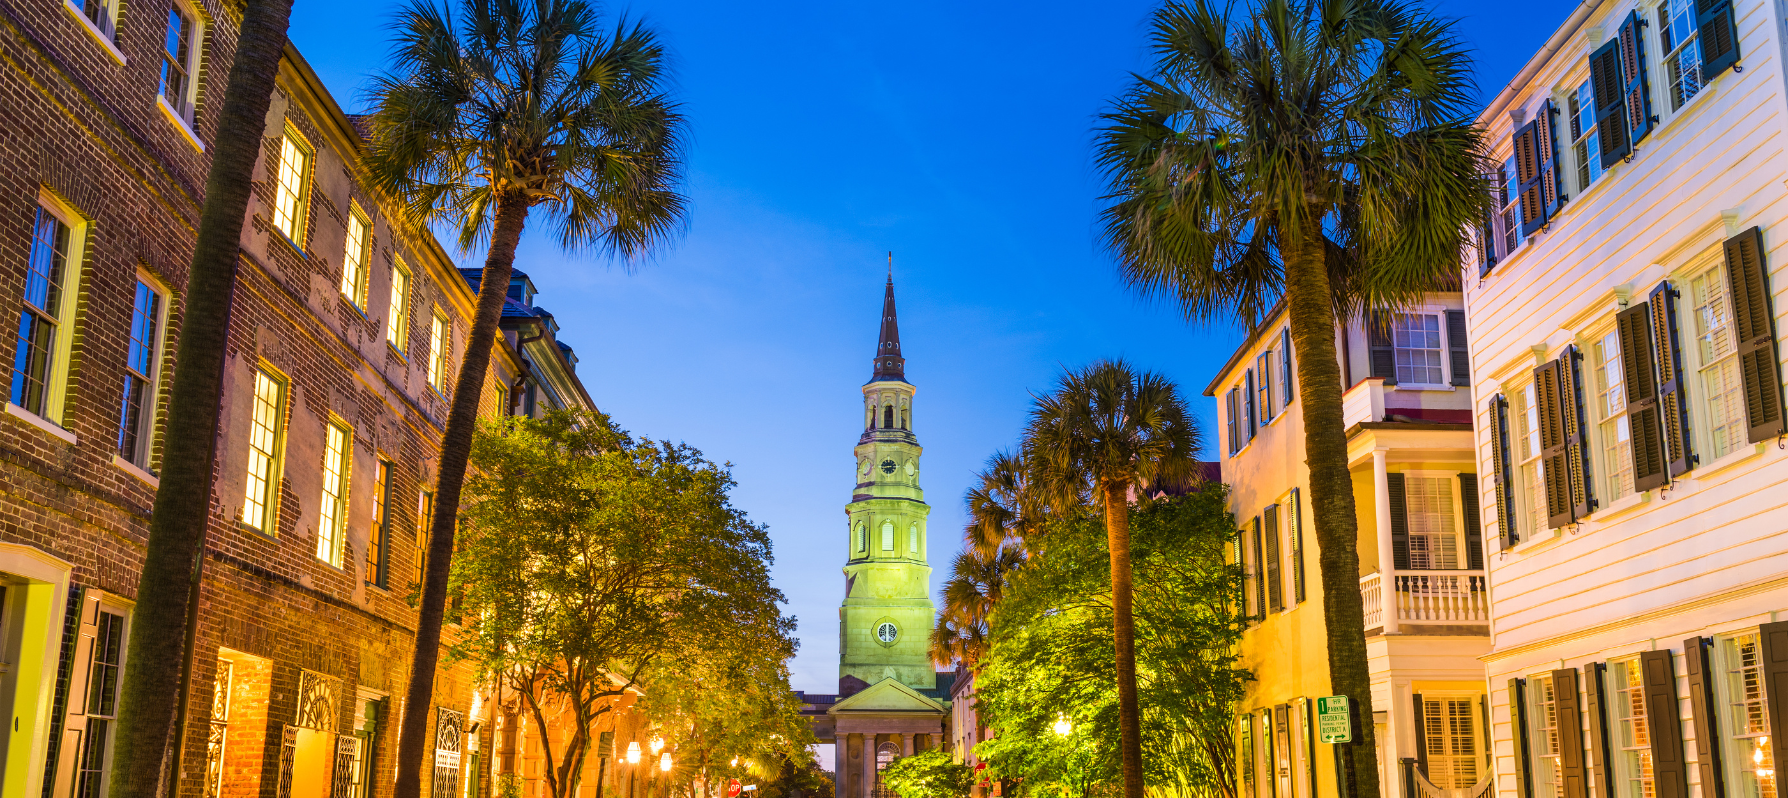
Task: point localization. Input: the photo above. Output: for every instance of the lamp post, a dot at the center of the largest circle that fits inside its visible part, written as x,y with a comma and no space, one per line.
632,759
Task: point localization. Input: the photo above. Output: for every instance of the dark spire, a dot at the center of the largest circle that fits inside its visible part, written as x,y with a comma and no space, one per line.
889,365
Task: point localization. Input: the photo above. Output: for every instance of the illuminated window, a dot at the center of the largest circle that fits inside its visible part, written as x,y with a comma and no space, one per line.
291,192
425,513
141,357
1746,693
356,261
439,350
333,511
265,445
397,328
378,539
1633,736
1548,775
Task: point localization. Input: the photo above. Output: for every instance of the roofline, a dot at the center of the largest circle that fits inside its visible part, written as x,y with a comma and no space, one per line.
1553,45
1272,316
559,355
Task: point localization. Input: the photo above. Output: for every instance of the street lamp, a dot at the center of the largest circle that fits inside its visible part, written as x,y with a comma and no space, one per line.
735,761
1062,726
664,761
657,743
633,753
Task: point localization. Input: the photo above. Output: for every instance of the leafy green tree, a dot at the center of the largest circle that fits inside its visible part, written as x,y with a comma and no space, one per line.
1322,153
974,587
1105,433
729,712
1049,661
591,562
150,696
933,774
510,108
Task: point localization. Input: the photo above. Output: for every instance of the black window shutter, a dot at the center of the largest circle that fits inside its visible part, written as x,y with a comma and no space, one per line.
1601,771
1663,718
1294,520
1632,327
1637,92
1527,178
1458,348
1570,733
1611,118
1523,747
1576,421
1274,584
1502,472
1474,524
1285,371
1702,709
1399,525
1486,242
1673,404
1719,37
1421,730
1773,639
1384,352
1754,325
1546,137
1259,578
1555,460
1248,401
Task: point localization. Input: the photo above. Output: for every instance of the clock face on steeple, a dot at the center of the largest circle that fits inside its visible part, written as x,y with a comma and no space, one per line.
887,632
887,466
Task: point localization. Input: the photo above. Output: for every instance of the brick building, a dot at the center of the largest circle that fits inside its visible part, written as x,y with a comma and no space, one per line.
346,333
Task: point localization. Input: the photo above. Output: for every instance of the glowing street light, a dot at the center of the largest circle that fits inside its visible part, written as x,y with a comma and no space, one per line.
633,753
664,761
657,744
1062,726
735,761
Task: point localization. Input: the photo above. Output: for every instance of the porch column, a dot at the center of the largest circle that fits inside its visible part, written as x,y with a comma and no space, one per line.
906,744
868,764
1387,579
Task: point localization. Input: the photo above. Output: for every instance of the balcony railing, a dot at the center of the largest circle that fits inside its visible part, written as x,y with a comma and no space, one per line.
1425,597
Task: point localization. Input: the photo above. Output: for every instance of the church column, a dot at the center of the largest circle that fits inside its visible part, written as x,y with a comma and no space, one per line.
868,766
906,744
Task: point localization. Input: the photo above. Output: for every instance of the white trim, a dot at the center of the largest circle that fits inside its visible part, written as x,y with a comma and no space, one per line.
180,123
131,468
42,423
97,34
42,570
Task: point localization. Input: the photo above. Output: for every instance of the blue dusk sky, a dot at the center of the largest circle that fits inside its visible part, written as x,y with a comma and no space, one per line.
823,136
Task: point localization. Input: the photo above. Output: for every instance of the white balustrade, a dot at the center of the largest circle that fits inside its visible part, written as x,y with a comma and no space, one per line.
1435,597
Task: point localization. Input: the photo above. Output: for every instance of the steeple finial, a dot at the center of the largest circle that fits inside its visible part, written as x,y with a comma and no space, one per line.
889,365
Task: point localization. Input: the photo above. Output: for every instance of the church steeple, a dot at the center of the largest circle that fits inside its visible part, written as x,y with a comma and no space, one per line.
889,365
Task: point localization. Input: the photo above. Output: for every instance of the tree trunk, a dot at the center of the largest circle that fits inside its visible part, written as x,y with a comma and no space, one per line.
456,448
1313,328
151,690
1123,633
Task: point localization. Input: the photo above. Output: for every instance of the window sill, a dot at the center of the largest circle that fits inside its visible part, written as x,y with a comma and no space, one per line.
350,302
153,481
255,530
287,240
180,123
98,35
1424,386
1669,127
40,422
396,351
1731,459
1537,540
1620,506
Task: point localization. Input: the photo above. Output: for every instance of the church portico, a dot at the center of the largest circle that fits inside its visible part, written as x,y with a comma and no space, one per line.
886,721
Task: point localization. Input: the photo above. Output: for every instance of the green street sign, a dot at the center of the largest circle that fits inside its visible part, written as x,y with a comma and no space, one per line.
1334,724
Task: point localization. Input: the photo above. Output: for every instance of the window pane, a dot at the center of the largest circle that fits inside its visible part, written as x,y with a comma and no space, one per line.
1611,407
36,342
263,448
333,509
354,261
292,193
138,408
175,57
1749,720
1433,532
397,328
1718,366
378,537
1415,339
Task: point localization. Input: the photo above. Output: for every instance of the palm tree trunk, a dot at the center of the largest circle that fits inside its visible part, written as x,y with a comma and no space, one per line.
151,690
1123,633
456,448
1313,327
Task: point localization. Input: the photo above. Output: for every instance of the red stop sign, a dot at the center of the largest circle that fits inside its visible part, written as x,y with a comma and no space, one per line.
732,789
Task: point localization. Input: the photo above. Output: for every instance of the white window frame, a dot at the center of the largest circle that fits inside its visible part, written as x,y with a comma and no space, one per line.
1264,386
1711,266
356,261
101,26
1613,455
332,505
291,186
888,536
143,453
267,503
397,327
440,350
1461,551
1508,220
1586,145
109,605
1524,442
183,107
1734,735
1629,731
1438,314
1680,43
1548,776
62,316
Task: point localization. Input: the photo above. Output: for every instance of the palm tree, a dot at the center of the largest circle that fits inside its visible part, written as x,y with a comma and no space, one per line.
1318,151
168,592
1109,432
515,106
976,581
1000,509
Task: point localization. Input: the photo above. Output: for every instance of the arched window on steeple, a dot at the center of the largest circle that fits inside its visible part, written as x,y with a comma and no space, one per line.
862,537
888,416
887,536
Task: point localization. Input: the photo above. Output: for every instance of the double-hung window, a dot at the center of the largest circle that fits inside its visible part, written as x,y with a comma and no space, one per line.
1419,350
356,262
1748,718
1524,414
1433,525
440,343
1509,220
41,350
102,705
136,421
397,328
1632,737
332,523
1586,145
1716,352
425,515
378,539
1611,416
266,449
1263,385
1548,773
1682,52
102,16
291,191
180,61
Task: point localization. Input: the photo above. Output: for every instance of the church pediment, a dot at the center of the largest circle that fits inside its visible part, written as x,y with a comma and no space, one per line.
887,695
